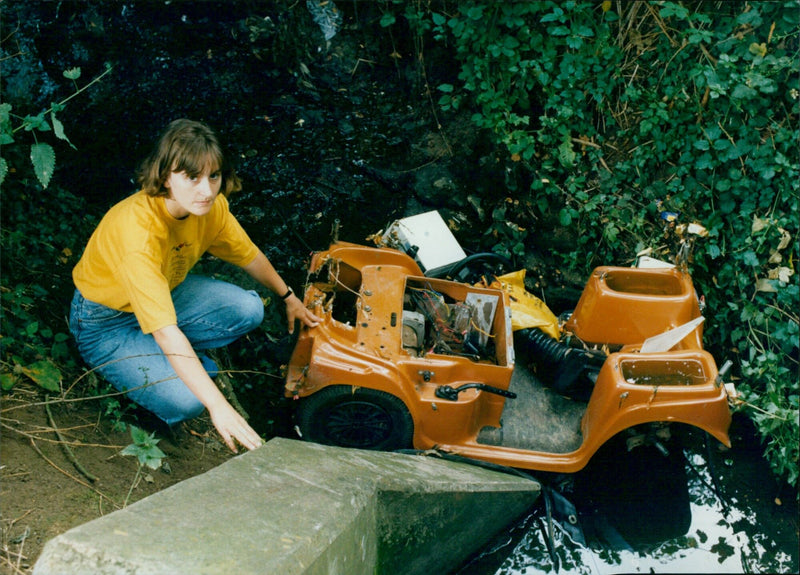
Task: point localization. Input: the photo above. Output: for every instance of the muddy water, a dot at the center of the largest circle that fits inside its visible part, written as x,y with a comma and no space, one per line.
692,510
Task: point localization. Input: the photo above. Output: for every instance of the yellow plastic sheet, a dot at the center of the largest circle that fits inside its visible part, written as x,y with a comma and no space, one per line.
527,310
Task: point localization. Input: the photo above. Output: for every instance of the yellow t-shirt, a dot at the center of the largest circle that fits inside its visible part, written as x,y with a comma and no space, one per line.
139,253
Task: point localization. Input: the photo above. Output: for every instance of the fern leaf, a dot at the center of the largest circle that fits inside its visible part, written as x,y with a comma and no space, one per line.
43,158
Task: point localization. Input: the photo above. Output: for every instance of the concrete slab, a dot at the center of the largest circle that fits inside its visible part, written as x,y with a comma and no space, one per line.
293,507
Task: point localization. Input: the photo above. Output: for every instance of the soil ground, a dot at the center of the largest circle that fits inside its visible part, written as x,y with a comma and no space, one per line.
42,492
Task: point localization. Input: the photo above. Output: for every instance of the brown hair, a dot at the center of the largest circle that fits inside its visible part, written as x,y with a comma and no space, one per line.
185,146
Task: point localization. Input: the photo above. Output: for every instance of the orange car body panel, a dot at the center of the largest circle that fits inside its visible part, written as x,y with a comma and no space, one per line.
632,388
627,305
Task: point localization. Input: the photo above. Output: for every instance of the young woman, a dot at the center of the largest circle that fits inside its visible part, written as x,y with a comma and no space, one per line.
138,315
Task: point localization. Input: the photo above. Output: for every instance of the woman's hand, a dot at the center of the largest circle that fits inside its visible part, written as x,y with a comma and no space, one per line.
261,269
233,428
295,309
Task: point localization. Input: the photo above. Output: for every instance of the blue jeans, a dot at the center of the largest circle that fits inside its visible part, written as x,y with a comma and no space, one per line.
211,313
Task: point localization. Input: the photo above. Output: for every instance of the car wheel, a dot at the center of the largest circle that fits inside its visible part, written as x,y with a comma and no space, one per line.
358,417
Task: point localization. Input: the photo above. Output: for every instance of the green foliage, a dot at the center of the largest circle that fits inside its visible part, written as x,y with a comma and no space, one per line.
42,154
146,451
35,283
606,119
37,243
43,158
113,405
144,448
45,373
774,409
508,237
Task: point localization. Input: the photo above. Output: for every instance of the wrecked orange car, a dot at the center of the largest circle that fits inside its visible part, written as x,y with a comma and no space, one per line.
405,360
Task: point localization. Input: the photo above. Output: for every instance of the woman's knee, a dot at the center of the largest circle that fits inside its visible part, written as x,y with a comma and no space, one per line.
251,310
243,313
215,311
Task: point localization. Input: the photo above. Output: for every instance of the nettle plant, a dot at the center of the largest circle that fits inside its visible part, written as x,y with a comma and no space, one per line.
42,154
145,448
616,113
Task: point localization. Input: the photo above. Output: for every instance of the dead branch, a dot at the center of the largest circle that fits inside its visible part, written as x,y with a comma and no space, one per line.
66,448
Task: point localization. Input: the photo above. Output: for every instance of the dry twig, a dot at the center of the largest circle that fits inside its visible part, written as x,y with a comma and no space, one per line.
66,448
31,435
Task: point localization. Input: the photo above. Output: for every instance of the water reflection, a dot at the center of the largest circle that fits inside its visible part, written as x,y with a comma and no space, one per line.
647,512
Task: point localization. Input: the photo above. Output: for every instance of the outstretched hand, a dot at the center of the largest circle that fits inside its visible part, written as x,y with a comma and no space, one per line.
233,428
296,310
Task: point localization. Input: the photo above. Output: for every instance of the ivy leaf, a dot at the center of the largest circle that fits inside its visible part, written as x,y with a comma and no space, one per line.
743,92
387,19
475,13
782,274
750,258
786,238
723,185
566,155
727,204
673,9
766,285
704,162
758,224
45,374
43,158
557,15
32,328
574,42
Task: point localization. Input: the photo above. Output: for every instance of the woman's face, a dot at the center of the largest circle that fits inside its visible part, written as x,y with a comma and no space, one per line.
189,195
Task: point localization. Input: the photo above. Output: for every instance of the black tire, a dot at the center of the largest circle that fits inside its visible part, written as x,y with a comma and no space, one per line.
357,417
